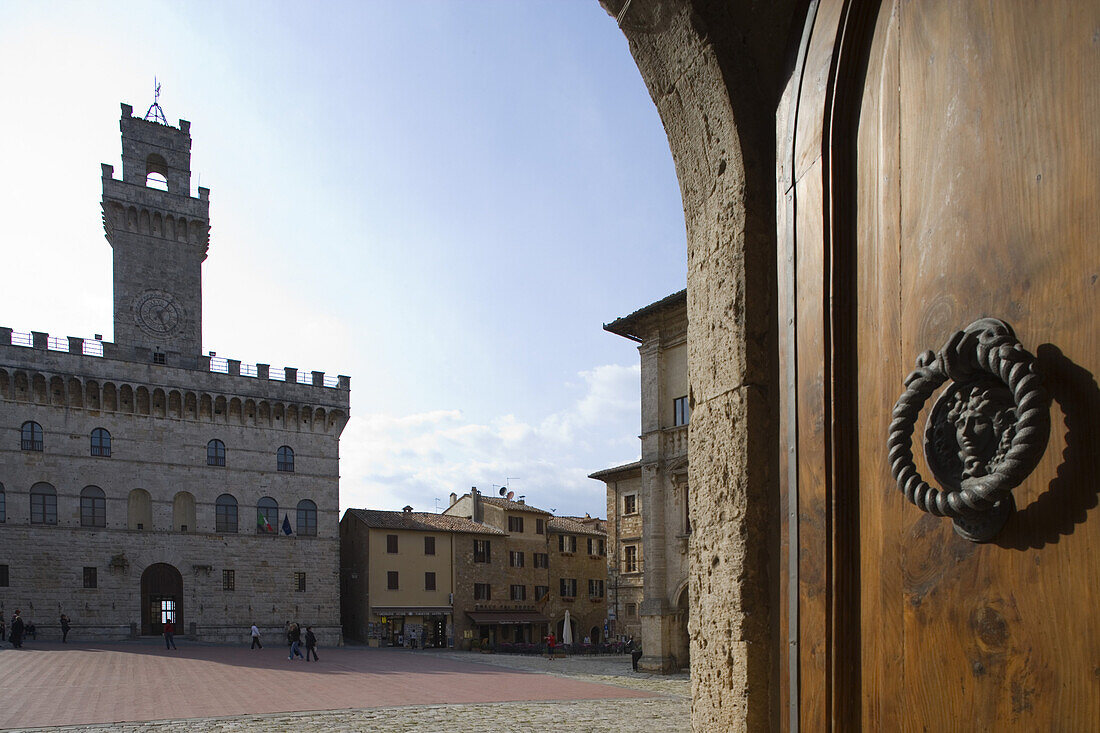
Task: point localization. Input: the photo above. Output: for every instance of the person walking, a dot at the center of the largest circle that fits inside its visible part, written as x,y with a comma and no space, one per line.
169,634
3,629
311,644
551,642
294,636
16,634
64,628
255,638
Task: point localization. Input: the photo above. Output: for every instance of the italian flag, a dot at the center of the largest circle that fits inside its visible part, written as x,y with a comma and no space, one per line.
262,522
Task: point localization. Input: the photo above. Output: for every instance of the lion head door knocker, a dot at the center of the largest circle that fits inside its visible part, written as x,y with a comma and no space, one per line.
985,433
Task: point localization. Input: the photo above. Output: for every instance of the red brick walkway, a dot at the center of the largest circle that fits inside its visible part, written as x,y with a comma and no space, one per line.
53,684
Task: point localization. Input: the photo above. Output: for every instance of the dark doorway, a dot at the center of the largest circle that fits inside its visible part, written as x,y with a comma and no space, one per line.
161,598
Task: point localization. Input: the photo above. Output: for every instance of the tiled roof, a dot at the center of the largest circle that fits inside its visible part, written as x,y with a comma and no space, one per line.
421,522
628,326
512,506
608,473
566,525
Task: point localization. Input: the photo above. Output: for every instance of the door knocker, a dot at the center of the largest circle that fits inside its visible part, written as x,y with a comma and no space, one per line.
985,433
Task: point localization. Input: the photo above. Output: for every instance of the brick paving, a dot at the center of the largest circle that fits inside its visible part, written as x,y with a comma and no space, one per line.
138,686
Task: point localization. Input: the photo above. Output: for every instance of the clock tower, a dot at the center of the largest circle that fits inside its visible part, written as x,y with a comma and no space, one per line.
160,235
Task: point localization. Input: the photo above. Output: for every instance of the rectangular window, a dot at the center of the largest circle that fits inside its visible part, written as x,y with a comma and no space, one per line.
515,559
515,524
3,576
541,591
391,580
391,544
482,551
567,543
519,593
542,560
595,589
91,578
687,509
630,559
630,504
3,505
681,413
631,610
568,587
540,526
229,580
429,545
429,581
300,582
482,592
603,548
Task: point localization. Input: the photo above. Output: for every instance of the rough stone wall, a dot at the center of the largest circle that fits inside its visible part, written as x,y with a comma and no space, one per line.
622,530
714,70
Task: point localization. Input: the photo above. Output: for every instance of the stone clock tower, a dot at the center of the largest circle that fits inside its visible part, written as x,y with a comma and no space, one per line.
160,238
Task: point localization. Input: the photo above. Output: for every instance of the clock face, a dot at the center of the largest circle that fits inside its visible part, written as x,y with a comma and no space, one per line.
156,313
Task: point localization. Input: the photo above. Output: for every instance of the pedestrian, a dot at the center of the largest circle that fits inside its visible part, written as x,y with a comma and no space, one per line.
3,629
551,642
635,654
64,628
16,634
256,638
289,643
294,636
311,644
32,631
169,634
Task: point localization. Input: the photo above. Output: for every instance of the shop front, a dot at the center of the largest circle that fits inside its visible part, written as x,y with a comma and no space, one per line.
509,629
412,627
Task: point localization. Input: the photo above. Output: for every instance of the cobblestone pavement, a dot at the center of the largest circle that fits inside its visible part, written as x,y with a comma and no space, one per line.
665,705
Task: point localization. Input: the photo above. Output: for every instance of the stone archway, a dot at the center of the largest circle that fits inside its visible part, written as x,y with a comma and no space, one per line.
161,598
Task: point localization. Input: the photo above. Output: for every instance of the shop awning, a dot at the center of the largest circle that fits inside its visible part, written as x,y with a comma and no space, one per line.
507,617
410,610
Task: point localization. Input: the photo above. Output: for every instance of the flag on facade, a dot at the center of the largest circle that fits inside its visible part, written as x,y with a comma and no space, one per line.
286,524
262,522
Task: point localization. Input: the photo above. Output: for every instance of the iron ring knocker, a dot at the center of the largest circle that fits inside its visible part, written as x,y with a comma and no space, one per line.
985,433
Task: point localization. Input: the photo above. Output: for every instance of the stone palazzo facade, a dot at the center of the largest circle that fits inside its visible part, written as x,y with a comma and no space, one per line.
141,481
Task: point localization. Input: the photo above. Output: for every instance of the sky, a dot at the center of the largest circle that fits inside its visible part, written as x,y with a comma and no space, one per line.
443,200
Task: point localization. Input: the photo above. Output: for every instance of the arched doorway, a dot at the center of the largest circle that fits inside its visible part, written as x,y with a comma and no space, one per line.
681,647
161,598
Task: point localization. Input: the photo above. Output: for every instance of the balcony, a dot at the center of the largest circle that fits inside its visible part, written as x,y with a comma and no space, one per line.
674,442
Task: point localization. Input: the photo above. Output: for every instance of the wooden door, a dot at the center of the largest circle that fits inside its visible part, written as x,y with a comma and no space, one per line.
944,167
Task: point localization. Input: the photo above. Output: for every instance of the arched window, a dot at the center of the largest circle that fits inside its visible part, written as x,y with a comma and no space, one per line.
139,510
267,516
3,505
286,458
101,443
183,512
43,504
307,518
225,514
215,453
31,436
93,507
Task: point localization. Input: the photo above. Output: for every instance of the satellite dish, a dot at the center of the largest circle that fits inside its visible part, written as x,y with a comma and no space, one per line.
510,495
502,490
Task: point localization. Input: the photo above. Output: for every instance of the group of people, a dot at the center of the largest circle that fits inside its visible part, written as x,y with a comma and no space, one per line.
294,639
21,630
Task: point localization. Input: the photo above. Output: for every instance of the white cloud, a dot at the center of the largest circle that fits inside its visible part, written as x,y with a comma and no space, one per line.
392,460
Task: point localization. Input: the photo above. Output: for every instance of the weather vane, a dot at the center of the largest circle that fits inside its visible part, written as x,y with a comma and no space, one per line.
155,113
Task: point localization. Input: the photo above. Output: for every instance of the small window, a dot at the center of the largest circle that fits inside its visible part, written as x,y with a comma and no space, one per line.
482,551
3,505
630,559
630,504
681,413
307,518
43,504
540,526
93,507
429,581
267,516
631,610
225,514
101,443
595,588
3,576
91,578
429,545
518,593
31,436
567,543
159,357
285,459
229,580
215,453
300,582
483,592
541,591
515,559
515,524
391,580
391,544
591,546
603,548
568,587
542,560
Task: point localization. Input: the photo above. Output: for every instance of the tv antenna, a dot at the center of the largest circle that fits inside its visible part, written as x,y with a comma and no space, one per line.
155,113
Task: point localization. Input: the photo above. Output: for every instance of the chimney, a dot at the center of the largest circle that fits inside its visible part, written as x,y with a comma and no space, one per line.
407,509
475,504
454,498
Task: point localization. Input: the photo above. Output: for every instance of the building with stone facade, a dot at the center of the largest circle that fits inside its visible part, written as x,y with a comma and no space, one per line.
647,501
141,481
397,575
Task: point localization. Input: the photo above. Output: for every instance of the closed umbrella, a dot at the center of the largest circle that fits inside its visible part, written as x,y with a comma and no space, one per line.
566,631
